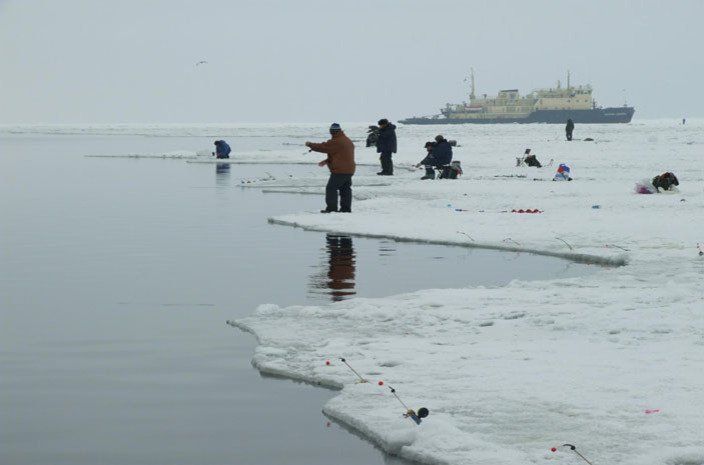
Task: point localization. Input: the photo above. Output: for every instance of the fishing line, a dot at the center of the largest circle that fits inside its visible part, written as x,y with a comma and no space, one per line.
361,380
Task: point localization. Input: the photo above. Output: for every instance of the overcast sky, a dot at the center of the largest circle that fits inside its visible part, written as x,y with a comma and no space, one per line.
134,61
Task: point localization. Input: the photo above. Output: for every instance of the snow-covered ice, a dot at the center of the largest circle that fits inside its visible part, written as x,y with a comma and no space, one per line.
612,362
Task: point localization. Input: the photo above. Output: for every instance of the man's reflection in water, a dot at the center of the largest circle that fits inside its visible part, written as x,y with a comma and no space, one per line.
222,173
341,267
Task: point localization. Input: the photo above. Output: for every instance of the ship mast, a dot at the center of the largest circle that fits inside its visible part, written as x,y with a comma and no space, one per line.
568,79
471,77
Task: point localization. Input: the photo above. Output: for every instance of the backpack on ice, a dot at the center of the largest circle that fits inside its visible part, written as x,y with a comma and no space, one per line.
563,173
451,171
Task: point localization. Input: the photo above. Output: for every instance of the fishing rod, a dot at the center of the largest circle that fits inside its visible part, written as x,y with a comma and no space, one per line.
361,380
410,413
574,449
560,239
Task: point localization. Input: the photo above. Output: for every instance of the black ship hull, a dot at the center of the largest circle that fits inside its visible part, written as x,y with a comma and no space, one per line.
592,116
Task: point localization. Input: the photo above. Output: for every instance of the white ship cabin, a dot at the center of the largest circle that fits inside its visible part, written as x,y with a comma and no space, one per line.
570,98
510,94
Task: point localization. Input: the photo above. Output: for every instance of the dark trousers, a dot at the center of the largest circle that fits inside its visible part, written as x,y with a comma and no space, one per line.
430,162
569,135
387,165
343,184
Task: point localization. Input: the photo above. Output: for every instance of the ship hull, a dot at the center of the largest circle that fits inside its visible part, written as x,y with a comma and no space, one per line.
591,116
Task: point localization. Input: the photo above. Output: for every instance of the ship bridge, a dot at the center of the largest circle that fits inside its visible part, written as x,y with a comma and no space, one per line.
570,98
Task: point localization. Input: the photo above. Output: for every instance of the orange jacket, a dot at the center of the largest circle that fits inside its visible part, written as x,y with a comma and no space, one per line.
340,150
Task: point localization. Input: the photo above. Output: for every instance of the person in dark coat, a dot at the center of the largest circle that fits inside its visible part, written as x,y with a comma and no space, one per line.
340,162
385,146
569,128
665,181
442,151
222,150
429,161
439,155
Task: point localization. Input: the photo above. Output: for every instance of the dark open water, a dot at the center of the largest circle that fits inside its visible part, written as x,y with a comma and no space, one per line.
117,276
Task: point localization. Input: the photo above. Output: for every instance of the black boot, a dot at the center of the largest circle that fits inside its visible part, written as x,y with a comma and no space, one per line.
387,167
429,173
383,168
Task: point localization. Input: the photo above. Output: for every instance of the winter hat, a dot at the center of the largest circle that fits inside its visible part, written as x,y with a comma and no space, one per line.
439,138
382,121
334,127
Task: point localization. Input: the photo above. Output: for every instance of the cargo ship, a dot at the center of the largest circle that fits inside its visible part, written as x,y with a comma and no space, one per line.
554,105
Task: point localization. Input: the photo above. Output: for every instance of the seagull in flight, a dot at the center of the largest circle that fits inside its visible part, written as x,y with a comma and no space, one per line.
202,62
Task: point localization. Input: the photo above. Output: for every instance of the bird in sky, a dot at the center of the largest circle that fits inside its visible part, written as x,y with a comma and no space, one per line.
202,62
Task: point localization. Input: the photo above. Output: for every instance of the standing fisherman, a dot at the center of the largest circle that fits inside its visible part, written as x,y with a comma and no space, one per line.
569,128
340,162
386,145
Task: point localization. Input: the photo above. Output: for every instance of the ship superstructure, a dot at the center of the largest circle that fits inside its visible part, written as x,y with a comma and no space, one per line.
553,105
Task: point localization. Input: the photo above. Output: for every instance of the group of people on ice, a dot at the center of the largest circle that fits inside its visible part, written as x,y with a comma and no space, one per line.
665,181
440,157
439,152
341,162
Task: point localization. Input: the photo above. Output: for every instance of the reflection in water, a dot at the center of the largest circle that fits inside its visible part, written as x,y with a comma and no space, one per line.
222,173
339,278
386,248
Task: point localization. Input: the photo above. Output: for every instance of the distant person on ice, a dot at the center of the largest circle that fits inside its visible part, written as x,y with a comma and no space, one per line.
665,181
569,128
429,161
340,162
531,160
385,146
222,150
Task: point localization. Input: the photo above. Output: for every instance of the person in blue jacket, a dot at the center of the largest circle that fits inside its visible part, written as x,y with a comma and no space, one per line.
439,155
222,150
385,146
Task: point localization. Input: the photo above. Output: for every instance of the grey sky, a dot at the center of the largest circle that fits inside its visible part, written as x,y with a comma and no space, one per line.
92,61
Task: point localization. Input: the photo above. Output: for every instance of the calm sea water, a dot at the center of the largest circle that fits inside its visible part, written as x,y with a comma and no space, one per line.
117,276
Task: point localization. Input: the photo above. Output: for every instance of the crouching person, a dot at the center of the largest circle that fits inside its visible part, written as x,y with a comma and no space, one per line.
531,160
222,150
429,162
665,181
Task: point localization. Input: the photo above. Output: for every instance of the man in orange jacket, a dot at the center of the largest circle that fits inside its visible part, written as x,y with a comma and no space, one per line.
340,162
